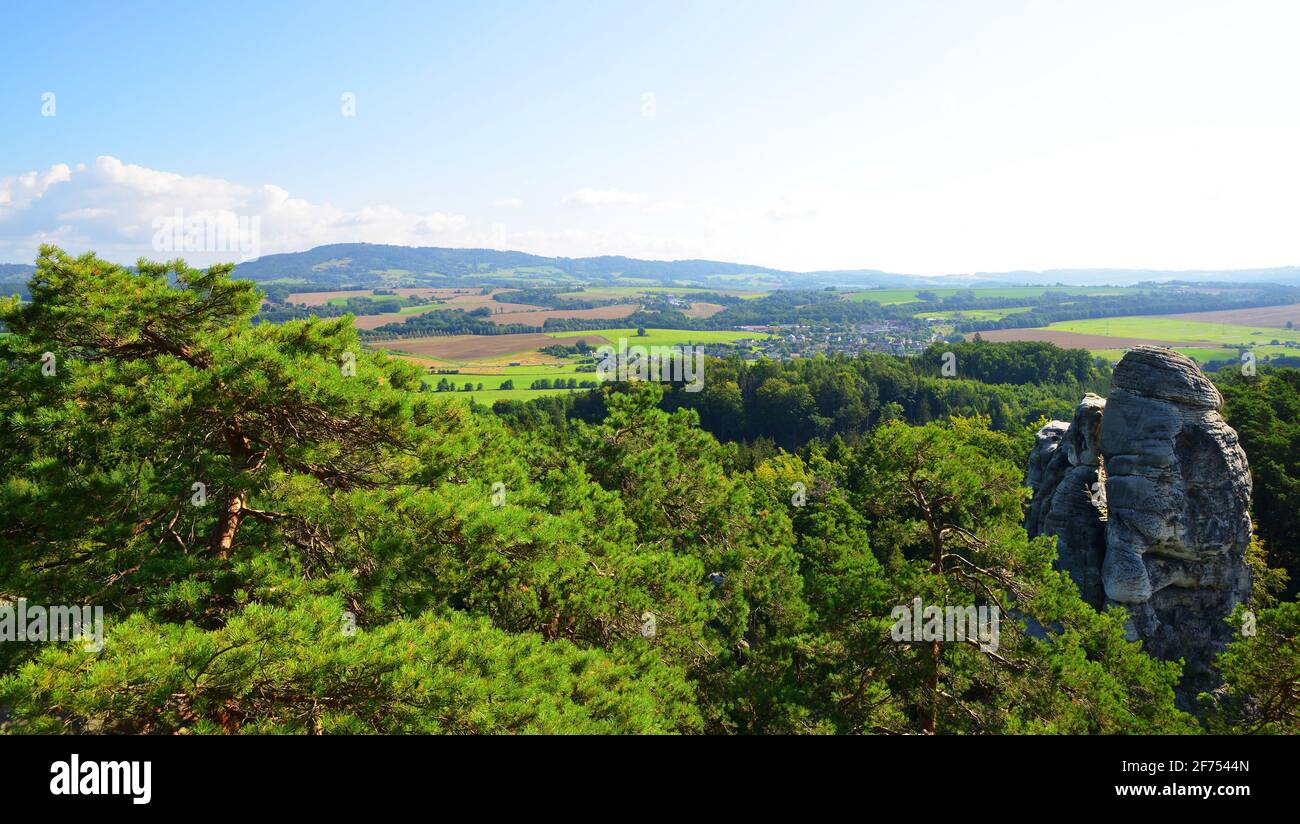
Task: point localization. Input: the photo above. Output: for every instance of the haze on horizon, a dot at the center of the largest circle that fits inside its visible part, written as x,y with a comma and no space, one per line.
928,138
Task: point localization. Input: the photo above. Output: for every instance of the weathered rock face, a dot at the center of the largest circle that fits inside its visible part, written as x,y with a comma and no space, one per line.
1069,496
1047,465
1178,488
1165,530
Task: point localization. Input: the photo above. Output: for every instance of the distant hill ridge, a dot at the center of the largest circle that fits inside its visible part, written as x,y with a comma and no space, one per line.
370,264
361,260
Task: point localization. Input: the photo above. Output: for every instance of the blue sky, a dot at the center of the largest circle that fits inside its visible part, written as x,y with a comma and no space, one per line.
924,137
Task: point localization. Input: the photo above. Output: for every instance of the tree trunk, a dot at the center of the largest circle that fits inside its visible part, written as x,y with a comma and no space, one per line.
930,723
231,519
232,514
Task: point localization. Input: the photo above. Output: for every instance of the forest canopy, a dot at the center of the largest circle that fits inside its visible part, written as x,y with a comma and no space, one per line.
365,557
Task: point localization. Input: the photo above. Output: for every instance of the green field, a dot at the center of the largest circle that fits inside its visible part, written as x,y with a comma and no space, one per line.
1204,341
344,301
662,337
889,297
1183,331
420,310
975,314
525,375
488,398
521,375
1197,354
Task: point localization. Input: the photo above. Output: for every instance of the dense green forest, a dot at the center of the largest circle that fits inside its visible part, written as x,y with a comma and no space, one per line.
365,557
1265,411
771,406
786,404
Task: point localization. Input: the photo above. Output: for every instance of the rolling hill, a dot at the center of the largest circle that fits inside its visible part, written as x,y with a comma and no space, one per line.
368,265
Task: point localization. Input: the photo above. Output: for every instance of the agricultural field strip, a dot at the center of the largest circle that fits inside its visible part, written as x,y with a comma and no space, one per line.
639,292
1184,331
522,376
1199,339
1075,340
974,314
492,353
464,348
890,297
664,337
1257,317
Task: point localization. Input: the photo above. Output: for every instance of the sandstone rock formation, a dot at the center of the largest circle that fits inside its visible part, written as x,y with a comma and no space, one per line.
1070,498
1047,465
1148,494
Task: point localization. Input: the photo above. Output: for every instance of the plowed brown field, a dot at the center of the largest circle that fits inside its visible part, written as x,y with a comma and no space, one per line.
472,347
1274,317
539,317
1075,340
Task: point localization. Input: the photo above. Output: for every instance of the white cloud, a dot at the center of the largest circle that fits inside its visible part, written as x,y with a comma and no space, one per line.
19,192
508,203
665,206
588,197
114,208
587,242
787,208
85,214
